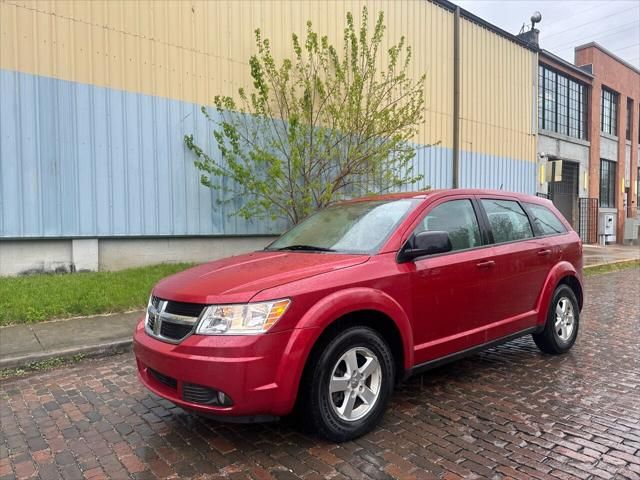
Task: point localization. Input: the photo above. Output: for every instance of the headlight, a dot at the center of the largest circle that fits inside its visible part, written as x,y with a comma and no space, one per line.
245,319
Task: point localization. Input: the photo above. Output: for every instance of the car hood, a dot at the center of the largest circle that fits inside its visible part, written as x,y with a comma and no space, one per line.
238,279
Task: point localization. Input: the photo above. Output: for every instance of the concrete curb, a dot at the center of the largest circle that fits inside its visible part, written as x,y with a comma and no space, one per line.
92,336
105,349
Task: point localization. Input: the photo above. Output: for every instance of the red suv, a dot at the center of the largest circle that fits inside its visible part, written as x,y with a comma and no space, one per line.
329,317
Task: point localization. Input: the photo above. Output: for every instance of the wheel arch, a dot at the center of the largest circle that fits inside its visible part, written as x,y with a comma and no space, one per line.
574,284
561,273
358,306
374,319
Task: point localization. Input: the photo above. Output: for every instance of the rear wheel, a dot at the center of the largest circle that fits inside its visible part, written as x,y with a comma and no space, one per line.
348,385
563,319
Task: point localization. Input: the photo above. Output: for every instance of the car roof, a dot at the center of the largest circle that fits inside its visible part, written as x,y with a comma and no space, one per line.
447,191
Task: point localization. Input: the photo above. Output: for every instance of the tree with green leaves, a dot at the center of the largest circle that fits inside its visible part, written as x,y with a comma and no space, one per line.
316,128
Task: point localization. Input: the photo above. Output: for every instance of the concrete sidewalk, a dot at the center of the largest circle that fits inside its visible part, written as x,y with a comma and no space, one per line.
28,343
595,255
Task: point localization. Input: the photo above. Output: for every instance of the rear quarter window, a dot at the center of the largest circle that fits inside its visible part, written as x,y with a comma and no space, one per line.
545,220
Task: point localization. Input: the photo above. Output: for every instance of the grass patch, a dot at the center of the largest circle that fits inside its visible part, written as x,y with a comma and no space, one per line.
35,298
611,267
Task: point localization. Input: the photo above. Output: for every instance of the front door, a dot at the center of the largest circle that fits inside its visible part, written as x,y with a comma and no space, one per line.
564,193
451,292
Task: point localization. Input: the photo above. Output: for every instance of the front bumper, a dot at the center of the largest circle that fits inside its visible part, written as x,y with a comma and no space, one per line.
259,373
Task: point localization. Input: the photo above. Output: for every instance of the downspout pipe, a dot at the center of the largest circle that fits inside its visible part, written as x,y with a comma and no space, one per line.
456,99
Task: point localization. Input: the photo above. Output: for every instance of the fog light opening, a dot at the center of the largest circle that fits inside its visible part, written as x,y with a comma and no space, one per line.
205,395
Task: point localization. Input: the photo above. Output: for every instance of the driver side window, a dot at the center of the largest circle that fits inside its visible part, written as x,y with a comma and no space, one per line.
458,219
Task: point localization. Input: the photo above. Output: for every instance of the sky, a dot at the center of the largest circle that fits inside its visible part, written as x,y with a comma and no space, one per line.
614,24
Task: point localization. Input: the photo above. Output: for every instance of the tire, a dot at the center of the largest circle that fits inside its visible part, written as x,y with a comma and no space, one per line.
563,321
344,414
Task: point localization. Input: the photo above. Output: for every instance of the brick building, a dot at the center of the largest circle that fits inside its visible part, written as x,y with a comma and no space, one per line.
588,135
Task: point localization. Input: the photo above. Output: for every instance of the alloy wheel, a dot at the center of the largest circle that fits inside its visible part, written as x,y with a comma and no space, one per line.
354,386
565,319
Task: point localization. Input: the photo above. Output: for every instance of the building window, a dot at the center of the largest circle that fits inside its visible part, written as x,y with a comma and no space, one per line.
607,184
561,104
629,118
609,112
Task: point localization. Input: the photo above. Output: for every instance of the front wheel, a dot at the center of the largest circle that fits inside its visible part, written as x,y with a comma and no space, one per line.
563,319
348,385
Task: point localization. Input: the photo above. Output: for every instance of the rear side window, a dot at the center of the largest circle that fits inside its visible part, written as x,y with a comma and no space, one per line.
458,219
508,220
545,220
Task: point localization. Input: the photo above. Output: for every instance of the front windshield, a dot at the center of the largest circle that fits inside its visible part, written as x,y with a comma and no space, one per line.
359,227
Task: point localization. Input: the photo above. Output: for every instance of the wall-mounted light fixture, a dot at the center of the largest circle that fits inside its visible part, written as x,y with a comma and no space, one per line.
585,180
542,175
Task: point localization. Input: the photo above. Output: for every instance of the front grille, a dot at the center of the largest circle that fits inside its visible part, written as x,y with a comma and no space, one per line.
180,308
171,321
164,379
199,394
174,331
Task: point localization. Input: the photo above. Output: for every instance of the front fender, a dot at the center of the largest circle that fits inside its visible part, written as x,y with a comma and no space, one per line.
320,316
555,276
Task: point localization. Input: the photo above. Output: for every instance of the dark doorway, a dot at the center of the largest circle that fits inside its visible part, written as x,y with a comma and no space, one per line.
564,193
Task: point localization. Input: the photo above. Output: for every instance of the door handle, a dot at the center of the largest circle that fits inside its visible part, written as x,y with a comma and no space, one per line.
487,264
544,252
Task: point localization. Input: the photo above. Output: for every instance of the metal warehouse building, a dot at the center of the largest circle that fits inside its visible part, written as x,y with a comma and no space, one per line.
96,96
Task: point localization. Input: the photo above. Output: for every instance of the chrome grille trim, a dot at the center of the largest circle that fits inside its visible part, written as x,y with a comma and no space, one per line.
157,316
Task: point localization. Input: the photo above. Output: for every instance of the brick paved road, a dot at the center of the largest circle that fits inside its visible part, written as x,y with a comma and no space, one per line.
508,413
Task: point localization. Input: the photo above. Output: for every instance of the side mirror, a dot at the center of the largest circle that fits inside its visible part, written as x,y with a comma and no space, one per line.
425,243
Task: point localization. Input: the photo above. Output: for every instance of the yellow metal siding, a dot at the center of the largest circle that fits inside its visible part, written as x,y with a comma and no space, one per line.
193,50
496,100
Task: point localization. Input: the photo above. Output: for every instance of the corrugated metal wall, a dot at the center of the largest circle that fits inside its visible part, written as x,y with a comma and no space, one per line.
95,97
193,50
79,160
497,104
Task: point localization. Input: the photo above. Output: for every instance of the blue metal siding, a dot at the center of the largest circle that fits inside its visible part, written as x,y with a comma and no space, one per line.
478,170
80,160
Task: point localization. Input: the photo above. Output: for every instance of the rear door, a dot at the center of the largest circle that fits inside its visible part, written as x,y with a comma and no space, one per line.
522,262
451,292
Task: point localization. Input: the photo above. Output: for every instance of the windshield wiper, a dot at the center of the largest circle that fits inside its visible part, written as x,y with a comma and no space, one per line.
309,248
